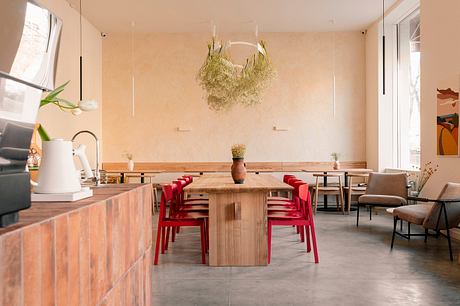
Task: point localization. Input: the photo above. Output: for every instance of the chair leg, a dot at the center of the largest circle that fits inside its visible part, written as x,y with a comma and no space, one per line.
166,243
401,226
173,235
163,236
157,244
269,251
450,245
302,234
370,212
307,234
395,222
203,244
313,239
426,235
408,230
357,215
315,193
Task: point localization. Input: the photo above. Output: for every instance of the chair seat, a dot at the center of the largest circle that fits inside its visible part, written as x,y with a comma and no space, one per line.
356,189
193,208
281,203
278,199
415,214
381,200
188,215
284,215
328,188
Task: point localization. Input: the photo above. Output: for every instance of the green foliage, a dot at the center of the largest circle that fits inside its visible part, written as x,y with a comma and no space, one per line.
52,98
226,84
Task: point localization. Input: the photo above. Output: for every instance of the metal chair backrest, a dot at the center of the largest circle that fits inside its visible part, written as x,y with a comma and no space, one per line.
394,184
436,219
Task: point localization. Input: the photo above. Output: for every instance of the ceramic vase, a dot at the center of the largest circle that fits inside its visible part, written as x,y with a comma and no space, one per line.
238,170
336,165
130,165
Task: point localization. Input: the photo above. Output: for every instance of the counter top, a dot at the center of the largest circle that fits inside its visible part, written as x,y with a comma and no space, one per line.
42,211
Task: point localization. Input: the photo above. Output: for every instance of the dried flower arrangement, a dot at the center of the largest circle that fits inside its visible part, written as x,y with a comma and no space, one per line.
335,156
421,177
238,150
228,84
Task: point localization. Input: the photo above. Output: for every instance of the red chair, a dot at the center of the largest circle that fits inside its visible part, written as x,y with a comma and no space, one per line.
176,219
286,178
303,219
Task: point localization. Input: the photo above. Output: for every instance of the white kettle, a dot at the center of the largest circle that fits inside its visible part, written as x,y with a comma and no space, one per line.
57,169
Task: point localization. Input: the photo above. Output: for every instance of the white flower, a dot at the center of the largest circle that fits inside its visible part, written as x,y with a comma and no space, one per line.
88,105
76,111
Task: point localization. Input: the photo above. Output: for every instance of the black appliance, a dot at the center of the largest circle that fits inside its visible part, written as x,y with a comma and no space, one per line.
29,41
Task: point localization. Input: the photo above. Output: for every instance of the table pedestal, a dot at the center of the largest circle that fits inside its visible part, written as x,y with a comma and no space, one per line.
238,229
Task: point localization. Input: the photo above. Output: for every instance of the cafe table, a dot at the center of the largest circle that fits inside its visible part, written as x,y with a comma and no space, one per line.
124,173
345,171
237,217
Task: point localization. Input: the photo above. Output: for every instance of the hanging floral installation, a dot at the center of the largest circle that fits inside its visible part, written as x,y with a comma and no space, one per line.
227,84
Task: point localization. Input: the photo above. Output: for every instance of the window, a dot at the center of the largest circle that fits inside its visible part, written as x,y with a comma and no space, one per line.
408,93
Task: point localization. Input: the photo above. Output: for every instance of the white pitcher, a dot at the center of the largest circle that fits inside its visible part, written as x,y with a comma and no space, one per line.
57,172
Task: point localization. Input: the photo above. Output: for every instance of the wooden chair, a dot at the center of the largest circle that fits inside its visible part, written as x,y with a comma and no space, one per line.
442,214
329,190
354,189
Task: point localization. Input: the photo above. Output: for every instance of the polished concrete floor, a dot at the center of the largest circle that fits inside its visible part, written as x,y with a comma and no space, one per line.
356,268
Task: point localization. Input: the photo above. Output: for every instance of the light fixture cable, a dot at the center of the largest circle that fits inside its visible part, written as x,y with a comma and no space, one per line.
383,47
81,54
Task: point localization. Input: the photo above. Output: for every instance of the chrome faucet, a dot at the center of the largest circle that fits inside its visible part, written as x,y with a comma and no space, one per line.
97,176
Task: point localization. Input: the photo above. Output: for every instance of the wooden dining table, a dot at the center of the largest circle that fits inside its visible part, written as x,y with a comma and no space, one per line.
141,173
237,217
345,172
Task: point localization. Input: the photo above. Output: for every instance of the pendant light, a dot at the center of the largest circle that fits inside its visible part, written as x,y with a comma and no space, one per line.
383,47
88,104
132,71
81,56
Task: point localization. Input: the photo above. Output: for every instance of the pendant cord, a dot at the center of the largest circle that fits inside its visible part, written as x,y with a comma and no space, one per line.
383,47
133,101
81,55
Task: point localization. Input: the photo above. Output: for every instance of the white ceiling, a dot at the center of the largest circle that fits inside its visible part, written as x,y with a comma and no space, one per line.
231,15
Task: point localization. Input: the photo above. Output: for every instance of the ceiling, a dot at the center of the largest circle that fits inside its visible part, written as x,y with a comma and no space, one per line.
231,15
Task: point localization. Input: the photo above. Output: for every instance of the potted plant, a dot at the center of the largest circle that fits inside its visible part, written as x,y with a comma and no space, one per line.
335,157
129,156
238,166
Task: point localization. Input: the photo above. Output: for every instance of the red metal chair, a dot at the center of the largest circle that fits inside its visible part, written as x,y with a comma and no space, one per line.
303,219
176,219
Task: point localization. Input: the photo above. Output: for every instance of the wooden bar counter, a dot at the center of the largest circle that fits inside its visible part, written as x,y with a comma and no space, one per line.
95,251
237,217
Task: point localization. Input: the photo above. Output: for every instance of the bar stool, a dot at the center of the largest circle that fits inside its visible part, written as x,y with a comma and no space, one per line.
329,190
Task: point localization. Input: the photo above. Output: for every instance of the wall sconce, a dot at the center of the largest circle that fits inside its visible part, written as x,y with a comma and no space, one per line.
280,128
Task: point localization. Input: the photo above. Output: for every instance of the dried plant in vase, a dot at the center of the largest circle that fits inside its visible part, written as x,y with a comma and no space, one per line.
129,156
238,166
335,157
421,177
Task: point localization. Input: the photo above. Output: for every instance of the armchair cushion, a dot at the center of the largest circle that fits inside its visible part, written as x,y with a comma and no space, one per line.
414,214
381,200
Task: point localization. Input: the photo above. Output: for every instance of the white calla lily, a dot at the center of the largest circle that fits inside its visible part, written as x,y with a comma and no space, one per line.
76,111
88,105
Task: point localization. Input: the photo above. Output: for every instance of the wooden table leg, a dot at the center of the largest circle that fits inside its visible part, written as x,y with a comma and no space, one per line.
238,229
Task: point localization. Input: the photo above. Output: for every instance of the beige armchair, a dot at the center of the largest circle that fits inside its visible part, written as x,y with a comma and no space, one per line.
384,190
440,214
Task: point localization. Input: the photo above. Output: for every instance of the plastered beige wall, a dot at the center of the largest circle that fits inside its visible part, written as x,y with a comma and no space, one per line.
167,96
64,125
440,61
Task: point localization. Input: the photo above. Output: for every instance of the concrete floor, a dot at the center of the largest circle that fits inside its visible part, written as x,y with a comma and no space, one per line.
356,268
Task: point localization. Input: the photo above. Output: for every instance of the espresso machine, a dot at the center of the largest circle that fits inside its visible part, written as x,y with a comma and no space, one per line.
29,40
